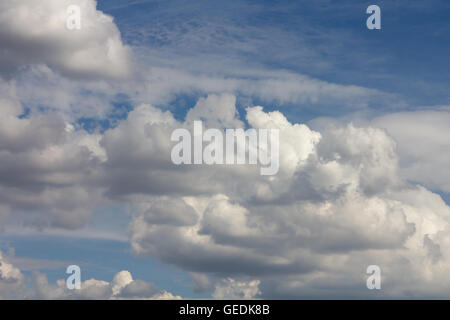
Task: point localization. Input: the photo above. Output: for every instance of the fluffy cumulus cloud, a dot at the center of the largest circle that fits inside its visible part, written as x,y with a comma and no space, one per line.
123,286
11,280
13,285
337,205
43,161
36,32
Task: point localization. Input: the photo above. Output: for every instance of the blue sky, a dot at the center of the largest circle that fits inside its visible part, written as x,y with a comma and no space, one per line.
323,39
366,76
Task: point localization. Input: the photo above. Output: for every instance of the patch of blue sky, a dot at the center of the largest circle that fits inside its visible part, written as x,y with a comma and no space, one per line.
26,113
121,106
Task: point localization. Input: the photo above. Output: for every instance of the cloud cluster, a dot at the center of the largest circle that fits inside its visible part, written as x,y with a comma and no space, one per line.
44,160
11,280
123,286
338,204
13,286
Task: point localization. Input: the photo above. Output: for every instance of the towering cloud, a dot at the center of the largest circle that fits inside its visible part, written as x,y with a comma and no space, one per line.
338,205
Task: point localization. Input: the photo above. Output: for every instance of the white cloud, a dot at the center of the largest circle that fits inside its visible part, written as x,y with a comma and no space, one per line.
218,111
162,84
8,272
11,280
34,32
42,163
123,286
338,205
230,289
423,144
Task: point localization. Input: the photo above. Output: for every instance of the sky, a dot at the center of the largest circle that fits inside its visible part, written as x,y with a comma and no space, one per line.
86,176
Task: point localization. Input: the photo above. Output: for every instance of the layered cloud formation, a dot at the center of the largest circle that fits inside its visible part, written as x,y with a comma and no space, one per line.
342,200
